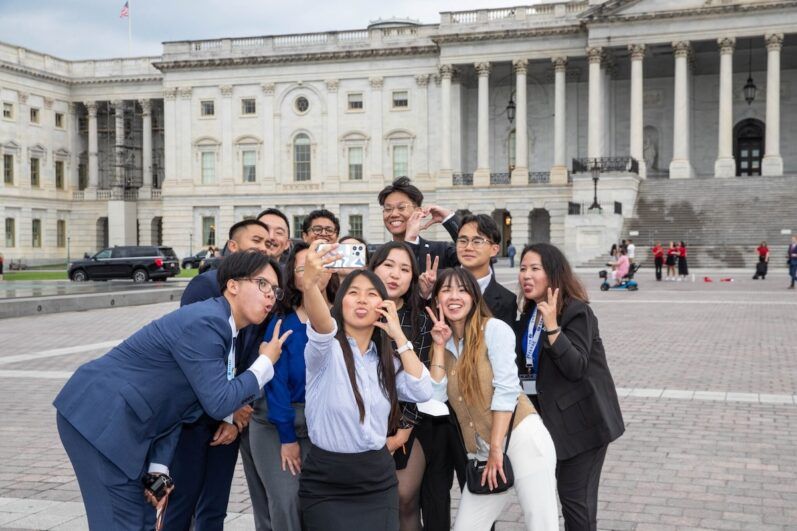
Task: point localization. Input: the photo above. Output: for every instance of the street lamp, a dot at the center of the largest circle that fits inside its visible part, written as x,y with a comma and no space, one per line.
750,89
510,109
68,239
190,244
596,173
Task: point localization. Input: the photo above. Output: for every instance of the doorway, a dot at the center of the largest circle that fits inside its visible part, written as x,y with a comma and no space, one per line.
749,146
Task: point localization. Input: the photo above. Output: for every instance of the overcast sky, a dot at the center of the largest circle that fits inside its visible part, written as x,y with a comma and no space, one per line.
84,29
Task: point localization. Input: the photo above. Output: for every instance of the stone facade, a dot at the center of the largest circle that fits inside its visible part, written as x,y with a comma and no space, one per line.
505,111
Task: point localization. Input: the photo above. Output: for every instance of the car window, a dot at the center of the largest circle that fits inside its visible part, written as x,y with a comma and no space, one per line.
168,252
139,252
103,255
120,252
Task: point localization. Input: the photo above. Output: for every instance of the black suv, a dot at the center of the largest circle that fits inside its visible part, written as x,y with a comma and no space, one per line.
140,263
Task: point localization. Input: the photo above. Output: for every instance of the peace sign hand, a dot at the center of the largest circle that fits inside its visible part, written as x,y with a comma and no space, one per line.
427,279
273,348
441,332
391,324
548,309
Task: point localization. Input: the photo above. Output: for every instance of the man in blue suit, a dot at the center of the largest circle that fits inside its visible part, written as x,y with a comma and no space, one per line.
120,415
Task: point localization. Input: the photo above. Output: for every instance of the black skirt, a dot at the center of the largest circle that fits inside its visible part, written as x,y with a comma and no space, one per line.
683,269
340,492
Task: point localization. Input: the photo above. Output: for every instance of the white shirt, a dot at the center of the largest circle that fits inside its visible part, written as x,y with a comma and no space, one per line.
631,249
484,282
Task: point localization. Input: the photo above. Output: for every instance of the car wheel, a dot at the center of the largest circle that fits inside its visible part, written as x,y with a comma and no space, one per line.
79,276
140,275
633,288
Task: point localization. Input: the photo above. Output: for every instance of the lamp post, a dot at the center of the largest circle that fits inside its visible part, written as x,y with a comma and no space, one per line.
190,244
68,239
596,172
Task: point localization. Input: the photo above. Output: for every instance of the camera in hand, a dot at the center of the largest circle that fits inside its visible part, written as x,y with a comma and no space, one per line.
157,484
352,255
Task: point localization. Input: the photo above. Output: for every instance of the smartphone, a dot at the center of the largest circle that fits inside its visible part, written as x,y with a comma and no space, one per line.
352,255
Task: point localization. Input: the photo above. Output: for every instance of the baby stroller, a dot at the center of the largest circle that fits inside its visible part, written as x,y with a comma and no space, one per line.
627,283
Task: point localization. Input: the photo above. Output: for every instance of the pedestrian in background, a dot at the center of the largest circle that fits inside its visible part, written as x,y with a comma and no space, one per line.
792,261
683,268
511,252
763,262
658,259
672,257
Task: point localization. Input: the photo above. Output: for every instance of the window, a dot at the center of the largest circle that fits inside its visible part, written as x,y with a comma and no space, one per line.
59,120
82,177
401,99
618,207
8,111
356,225
301,104
207,108
248,106
400,161
297,226
34,172
34,115
208,230
301,158
250,166
8,169
59,174
356,101
36,233
573,209
60,233
208,167
11,232
356,163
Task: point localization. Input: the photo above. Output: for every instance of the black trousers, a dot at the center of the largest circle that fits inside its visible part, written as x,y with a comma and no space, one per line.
577,481
658,263
434,434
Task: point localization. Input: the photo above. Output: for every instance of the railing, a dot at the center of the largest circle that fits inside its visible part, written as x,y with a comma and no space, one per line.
606,165
552,10
399,33
199,46
498,14
130,195
539,177
462,179
103,195
155,193
302,39
78,195
500,178
353,36
249,42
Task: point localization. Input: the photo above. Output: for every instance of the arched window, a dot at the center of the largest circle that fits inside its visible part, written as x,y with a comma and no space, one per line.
301,157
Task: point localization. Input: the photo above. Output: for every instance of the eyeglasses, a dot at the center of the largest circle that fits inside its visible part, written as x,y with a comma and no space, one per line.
318,230
401,207
478,242
265,286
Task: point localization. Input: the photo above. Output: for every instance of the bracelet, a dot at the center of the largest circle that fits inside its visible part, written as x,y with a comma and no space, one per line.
554,331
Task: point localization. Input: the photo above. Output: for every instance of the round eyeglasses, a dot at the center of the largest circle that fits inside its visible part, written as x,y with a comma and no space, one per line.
265,286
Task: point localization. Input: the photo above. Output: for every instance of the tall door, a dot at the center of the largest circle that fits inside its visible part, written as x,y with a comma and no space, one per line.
539,226
749,147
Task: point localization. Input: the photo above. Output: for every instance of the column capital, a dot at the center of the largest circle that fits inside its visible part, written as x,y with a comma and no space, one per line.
332,85
48,103
726,44
185,93
376,82
774,41
446,71
681,48
520,66
483,69
559,64
146,106
71,107
422,80
91,107
637,51
22,97
594,54
226,90
268,89
170,94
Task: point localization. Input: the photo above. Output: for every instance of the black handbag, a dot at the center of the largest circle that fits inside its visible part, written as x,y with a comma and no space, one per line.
475,469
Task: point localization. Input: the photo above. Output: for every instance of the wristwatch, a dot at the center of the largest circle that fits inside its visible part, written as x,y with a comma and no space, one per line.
404,348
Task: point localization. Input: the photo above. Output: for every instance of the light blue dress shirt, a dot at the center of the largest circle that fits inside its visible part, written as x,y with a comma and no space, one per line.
333,420
500,341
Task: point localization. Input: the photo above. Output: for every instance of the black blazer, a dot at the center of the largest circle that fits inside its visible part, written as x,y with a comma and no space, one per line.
445,250
575,391
501,301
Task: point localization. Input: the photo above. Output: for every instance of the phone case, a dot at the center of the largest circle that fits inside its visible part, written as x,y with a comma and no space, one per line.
353,256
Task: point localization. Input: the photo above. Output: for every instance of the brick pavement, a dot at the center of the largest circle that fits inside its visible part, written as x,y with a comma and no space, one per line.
687,356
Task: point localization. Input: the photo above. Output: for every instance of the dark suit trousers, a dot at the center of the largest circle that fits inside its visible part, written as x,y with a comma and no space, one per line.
577,481
658,263
434,433
112,500
202,478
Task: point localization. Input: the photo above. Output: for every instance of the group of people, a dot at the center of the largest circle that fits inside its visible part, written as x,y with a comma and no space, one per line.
674,258
354,397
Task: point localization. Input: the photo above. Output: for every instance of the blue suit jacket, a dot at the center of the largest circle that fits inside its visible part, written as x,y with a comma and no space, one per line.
131,402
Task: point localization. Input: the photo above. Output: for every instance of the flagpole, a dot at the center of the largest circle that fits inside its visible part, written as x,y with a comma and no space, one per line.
129,28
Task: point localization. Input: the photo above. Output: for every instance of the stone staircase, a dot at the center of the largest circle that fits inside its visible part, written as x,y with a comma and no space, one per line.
722,221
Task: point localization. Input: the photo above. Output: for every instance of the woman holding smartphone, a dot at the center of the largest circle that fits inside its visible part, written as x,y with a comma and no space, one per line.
354,381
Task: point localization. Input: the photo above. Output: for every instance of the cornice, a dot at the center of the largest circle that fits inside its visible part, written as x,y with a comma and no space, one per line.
506,34
621,18
231,62
55,78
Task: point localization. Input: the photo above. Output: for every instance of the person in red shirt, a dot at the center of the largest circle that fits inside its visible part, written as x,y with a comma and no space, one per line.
658,259
672,257
683,268
763,262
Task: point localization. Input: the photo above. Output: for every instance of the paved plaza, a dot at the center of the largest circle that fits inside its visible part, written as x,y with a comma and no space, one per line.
707,374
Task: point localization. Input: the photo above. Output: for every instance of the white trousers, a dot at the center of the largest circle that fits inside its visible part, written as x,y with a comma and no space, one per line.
533,458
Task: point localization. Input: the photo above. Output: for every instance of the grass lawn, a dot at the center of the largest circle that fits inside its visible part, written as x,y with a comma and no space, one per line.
61,275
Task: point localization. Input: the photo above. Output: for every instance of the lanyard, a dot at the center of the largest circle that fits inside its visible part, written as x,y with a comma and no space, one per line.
532,340
231,362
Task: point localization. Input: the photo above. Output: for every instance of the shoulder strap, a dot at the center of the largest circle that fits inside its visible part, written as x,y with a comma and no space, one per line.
509,434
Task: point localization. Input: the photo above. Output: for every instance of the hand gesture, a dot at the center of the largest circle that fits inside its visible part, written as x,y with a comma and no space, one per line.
429,277
441,332
437,213
291,456
315,261
391,325
494,468
273,348
159,505
548,309
414,225
225,434
241,417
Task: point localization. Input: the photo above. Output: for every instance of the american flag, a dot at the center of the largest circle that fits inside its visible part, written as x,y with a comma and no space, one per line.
125,11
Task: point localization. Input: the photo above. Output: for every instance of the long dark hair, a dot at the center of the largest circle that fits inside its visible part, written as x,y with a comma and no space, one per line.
412,298
293,296
560,275
384,349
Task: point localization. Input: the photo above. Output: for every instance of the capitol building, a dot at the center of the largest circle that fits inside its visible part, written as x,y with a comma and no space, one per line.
514,112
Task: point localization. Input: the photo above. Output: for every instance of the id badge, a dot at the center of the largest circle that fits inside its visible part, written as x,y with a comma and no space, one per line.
529,384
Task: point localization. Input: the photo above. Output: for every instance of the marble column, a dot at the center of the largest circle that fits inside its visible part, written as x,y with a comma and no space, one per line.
482,175
680,166
229,173
637,107
595,133
725,165
559,169
520,174
446,171
94,166
773,162
119,141
146,146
